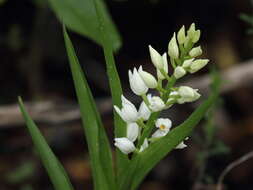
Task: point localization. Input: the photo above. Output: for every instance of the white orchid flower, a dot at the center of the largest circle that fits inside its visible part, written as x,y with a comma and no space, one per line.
144,145
163,125
144,112
132,131
136,83
125,145
156,103
148,79
128,111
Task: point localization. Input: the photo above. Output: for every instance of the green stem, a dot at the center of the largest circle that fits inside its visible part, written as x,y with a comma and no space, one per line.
145,99
164,74
173,63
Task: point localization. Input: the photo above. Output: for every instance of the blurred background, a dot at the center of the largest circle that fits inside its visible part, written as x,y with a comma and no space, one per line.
34,65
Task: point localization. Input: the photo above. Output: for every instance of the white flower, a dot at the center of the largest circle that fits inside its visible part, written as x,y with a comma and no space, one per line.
148,79
181,35
132,131
144,145
197,65
195,52
163,125
187,94
156,58
179,72
128,111
165,67
156,103
136,83
125,145
173,47
144,112
187,63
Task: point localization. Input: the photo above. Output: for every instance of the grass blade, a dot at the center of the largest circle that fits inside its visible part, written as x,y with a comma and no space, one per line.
115,85
80,16
98,144
54,169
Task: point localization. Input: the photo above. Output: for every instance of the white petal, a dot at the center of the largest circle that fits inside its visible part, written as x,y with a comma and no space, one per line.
124,144
155,58
148,79
128,112
144,145
159,133
132,131
156,104
181,146
144,111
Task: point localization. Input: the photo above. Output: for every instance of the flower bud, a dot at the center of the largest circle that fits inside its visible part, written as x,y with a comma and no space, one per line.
156,103
196,36
132,131
197,51
187,94
125,145
156,58
165,67
179,72
173,47
181,35
148,79
136,83
197,65
191,31
144,112
187,63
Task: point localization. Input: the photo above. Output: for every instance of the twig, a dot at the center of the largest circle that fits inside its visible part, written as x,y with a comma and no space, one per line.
231,166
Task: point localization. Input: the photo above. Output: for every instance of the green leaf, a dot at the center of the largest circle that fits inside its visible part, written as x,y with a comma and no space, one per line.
54,169
115,85
98,144
143,162
80,16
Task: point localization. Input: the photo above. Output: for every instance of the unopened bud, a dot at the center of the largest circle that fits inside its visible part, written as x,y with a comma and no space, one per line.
173,47
181,35
195,52
156,58
179,72
197,65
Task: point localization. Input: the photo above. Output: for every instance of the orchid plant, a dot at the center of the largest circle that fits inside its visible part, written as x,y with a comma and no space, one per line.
142,138
183,58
